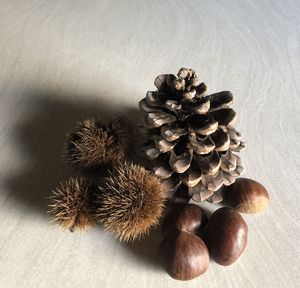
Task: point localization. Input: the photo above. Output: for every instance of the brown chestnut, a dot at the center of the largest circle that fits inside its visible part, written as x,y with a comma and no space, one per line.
247,196
226,235
184,255
185,217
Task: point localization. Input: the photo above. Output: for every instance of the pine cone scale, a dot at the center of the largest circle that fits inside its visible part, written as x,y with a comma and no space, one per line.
158,119
221,100
163,145
224,116
209,163
163,171
200,106
172,133
202,124
191,177
221,140
201,145
162,82
180,163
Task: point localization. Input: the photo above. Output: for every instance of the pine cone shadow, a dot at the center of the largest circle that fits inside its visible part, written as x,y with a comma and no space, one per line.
40,138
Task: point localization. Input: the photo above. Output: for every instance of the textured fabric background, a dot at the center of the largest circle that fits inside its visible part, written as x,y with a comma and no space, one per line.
63,60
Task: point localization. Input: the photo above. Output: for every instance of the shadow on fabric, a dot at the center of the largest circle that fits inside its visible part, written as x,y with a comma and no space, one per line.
40,137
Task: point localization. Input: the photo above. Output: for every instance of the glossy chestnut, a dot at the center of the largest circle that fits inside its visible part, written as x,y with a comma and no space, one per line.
247,196
226,236
184,255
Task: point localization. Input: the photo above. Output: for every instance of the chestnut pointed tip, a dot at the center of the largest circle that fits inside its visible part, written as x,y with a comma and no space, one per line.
247,196
185,217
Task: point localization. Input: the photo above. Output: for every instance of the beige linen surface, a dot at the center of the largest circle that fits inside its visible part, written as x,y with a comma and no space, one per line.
63,60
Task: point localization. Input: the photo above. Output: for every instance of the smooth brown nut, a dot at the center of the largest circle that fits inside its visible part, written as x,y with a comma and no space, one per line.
226,236
185,217
184,255
247,196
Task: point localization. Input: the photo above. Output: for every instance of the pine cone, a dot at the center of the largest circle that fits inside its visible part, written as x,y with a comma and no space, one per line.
192,141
